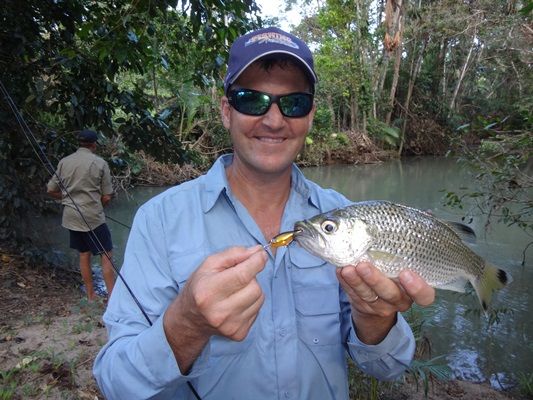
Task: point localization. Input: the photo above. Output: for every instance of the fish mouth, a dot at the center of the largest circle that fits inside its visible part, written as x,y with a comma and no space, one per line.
303,232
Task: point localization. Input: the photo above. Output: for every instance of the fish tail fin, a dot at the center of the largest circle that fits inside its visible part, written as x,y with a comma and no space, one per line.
492,279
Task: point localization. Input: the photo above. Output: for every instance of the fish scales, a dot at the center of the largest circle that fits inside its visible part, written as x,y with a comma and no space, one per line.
396,237
417,240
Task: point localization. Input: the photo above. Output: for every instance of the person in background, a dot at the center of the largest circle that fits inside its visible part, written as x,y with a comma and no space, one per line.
225,318
87,180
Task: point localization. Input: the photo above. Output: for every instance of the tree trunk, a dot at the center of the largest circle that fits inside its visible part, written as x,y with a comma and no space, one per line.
438,75
452,105
413,75
397,46
391,42
353,113
154,84
329,100
395,78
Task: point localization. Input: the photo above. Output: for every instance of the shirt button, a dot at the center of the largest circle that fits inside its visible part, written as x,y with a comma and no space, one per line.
282,332
287,395
316,340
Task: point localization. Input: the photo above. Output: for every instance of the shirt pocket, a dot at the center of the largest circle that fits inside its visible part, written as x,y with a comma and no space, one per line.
309,270
316,299
318,315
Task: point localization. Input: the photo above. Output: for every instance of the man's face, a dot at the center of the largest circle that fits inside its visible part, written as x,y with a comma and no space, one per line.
267,144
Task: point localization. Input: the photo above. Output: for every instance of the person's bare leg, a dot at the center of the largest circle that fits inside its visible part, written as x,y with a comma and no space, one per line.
108,272
86,274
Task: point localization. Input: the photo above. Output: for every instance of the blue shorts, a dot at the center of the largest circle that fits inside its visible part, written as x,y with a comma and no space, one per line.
92,241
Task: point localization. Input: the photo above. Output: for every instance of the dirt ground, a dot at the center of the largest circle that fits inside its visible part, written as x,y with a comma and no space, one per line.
49,336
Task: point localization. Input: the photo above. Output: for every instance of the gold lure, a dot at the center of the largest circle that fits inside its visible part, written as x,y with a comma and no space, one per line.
282,239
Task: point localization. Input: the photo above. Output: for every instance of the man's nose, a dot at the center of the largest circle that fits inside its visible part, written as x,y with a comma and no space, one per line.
273,117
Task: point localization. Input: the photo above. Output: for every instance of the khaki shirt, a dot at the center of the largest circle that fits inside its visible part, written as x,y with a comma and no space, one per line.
87,178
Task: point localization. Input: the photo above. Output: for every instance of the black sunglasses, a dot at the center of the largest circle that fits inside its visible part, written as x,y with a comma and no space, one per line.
253,102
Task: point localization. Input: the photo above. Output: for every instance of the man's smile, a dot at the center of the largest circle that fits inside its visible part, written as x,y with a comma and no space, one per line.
274,140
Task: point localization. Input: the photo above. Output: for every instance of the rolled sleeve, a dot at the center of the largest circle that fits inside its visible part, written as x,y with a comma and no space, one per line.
53,183
388,359
107,184
143,365
137,362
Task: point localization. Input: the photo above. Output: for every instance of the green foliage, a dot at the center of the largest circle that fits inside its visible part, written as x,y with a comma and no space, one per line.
322,123
65,65
384,133
425,370
525,383
362,386
501,164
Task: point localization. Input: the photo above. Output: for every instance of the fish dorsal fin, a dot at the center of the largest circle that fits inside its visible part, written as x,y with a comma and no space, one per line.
466,233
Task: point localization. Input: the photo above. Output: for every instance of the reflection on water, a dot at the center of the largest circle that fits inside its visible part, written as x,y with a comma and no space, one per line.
475,350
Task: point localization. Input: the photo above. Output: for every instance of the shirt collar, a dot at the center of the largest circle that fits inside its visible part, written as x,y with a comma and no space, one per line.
216,183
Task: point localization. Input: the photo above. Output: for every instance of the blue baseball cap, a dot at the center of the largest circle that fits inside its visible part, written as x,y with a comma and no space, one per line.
88,136
263,42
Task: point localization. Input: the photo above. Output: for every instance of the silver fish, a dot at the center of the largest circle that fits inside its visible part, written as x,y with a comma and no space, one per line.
395,237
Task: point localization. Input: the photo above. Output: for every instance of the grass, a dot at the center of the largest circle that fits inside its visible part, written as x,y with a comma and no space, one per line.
525,384
51,372
35,375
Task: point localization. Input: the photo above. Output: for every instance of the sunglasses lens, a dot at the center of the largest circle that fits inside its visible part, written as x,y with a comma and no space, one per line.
250,102
296,104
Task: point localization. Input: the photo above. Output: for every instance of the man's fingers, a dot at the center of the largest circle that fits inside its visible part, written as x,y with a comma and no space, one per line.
231,257
242,273
381,285
247,318
421,293
233,317
353,284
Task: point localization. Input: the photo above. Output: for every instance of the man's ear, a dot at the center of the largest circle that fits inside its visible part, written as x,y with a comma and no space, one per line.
225,110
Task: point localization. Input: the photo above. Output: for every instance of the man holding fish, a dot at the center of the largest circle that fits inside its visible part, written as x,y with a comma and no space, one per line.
234,318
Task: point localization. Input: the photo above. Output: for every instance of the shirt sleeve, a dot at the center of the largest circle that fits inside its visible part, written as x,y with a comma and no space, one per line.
137,361
53,183
107,184
388,359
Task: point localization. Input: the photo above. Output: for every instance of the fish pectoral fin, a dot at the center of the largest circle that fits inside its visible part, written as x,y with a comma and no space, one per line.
457,285
383,258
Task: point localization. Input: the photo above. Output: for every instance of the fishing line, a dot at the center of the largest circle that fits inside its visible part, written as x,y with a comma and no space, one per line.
43,158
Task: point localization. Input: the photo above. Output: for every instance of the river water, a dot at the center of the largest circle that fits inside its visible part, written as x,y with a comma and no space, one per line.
474,349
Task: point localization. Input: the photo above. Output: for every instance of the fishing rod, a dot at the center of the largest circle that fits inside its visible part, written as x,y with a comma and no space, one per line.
117,221
43,158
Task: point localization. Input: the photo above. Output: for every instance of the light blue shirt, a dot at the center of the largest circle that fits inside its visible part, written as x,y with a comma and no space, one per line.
296,348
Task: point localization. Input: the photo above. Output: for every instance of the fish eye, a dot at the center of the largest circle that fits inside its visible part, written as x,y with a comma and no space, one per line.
328,226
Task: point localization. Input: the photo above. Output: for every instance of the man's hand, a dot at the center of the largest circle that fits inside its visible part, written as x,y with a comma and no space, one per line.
222,297
376,299
105,199
55,194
